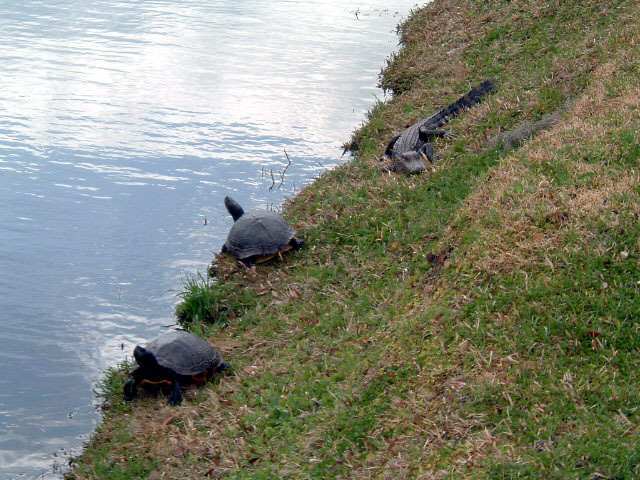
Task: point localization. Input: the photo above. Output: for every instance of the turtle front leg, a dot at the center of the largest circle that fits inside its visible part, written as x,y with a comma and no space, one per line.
175,398
247,262
130,390
296,243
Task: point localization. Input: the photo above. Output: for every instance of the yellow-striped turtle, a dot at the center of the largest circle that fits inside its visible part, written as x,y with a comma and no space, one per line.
259,235
170,362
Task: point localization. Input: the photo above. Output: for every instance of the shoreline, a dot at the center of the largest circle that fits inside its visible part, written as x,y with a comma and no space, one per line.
442,325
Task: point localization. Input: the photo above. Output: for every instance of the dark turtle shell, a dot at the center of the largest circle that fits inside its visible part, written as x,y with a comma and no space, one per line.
185,353
260,232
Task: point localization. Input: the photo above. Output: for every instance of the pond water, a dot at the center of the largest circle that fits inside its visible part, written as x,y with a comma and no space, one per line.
123,124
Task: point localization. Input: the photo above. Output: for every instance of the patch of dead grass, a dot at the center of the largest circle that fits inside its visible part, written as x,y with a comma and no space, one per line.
516,244
519,242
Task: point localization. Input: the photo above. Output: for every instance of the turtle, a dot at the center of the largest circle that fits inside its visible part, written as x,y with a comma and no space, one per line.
169,362
259,235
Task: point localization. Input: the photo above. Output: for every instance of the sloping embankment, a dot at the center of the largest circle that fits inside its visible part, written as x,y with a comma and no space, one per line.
479,321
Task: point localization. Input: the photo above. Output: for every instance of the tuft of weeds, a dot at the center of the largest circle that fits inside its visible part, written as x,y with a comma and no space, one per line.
206,302
110,387
200,302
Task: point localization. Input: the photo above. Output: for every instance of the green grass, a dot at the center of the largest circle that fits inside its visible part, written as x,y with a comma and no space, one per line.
205,303
112,383
132,470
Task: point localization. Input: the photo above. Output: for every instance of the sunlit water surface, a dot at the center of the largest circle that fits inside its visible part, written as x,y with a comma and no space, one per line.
123,124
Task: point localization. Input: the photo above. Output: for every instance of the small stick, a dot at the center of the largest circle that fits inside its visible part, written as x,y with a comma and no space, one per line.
285,169
273,180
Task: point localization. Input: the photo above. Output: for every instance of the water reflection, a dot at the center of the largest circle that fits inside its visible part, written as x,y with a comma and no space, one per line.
122,127
162,76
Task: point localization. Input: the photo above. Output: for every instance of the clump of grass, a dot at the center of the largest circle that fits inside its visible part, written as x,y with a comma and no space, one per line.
207,302
200,302
110,387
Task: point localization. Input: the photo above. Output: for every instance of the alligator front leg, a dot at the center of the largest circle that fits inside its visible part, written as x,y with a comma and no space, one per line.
428,151
388,152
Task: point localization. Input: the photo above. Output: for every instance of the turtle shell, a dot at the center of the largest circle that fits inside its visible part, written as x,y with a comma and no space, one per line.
185,353
260,232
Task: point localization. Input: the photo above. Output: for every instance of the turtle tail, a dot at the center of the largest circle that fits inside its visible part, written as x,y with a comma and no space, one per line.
233,207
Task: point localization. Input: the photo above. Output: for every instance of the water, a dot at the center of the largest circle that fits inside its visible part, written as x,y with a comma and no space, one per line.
123,124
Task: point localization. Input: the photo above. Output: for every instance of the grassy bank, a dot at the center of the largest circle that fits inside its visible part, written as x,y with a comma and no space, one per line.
479,321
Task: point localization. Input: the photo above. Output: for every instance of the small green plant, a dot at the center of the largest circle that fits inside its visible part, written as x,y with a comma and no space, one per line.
200,302
110,386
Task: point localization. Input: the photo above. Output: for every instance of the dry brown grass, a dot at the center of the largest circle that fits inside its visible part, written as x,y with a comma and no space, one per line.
519,242
511,241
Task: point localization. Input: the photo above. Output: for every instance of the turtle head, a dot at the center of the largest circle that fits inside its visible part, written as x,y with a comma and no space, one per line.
144,357
233,208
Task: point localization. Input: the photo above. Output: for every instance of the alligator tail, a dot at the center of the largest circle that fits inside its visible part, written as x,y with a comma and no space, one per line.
474,96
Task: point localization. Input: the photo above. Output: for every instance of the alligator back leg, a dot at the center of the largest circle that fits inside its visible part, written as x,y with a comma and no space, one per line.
425,134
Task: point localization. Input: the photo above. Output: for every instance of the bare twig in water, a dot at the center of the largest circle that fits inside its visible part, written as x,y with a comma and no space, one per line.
282,174
273,180
285,169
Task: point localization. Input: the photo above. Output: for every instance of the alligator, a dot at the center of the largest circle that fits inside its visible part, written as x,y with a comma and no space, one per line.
408,150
